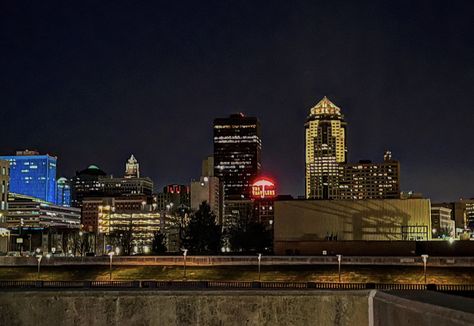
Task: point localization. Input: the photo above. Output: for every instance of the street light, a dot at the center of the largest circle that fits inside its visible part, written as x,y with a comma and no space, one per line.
339,259
111,254
38,257
259,257
425,260
185,253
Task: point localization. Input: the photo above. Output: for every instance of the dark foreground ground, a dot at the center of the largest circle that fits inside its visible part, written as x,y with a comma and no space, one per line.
364,274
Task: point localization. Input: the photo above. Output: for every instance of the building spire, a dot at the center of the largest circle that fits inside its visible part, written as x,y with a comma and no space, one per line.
132,168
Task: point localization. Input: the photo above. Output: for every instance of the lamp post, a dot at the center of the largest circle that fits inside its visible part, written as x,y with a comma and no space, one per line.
185,253
339,259
111,254
425,260
38,258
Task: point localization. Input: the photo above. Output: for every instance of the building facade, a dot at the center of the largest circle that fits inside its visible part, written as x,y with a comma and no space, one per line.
32,174
4,186
237,154
326,150
441,223
462,212
174,196
63,192
126,186
139,220
368,180
27,211
298,223
93,182
93,205
208,189
86,183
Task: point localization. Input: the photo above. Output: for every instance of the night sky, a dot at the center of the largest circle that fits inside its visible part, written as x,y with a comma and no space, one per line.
94,81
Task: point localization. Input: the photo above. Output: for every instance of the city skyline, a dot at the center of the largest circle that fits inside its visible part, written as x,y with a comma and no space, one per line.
91,93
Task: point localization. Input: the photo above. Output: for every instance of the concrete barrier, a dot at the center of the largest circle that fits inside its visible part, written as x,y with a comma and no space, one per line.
420,309
254,307
250,307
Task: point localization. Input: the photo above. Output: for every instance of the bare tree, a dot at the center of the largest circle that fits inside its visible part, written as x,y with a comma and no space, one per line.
123,237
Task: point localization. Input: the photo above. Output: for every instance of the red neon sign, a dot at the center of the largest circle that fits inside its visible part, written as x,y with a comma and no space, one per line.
263,188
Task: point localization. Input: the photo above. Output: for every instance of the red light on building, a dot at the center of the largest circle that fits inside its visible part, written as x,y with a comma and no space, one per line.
263,188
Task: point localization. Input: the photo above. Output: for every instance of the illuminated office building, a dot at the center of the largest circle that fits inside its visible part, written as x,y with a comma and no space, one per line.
237,154
63,192
326,150
368,180
93,182
127,186
4,186
86,183
32,174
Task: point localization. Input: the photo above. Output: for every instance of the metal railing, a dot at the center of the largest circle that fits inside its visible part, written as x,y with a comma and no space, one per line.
229,285
239,261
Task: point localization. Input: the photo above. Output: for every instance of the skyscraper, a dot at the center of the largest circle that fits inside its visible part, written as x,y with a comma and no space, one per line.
63,192
86,183
326,150
33,175
237,154
132,168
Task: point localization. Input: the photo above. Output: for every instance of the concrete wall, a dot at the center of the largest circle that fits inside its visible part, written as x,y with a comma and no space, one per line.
306,220
96,307
421,308
183,308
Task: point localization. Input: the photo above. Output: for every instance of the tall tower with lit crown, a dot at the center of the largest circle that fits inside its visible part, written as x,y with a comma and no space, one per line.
326,150
132,168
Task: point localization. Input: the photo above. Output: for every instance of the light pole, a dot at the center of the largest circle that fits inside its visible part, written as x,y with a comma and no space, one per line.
339,259
425,260
185,253
81,244
38,257
259,257
111,254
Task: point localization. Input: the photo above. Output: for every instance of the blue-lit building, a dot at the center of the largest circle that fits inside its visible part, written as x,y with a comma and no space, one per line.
63,192
33,175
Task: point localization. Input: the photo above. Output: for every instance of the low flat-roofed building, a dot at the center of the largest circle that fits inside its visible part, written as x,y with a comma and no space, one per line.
372,219
33,212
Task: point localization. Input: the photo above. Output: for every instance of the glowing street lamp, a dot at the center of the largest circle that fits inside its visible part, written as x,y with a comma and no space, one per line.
185,253
38,257
425,260
259,257
339,259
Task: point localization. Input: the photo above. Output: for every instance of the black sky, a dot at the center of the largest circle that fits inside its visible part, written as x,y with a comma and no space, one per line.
93,81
